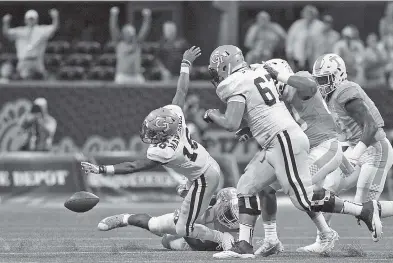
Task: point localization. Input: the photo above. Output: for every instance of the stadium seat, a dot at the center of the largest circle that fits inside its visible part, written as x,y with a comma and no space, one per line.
110,47
150,47
148,60
101,73
87,47
71,73
53,61
108,59
83,60
10,57
58,47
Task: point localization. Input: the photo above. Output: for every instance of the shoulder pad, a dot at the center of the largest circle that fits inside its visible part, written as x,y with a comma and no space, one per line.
347,92
161,152
232,86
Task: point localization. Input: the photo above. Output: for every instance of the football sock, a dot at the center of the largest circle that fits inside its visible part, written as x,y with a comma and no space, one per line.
321,224
204,233
161,225
246,233
386,208
351,208
328,218
270,230
138,220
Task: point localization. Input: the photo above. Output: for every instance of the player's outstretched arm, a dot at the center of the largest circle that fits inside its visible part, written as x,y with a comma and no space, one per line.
358,110
182,84
306,87
121,168
232,118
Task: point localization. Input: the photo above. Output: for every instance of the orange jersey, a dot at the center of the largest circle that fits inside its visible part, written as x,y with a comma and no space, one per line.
347,126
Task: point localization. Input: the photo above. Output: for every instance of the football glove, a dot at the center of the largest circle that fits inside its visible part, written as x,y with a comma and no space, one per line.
206,117
243,134
272,72
182,190
92,168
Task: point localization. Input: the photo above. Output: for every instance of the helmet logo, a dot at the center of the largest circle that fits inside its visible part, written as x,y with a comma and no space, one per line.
163,123
217,58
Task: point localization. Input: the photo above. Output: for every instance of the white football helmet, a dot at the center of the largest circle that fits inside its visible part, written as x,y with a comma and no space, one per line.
227,208
329,71
280,65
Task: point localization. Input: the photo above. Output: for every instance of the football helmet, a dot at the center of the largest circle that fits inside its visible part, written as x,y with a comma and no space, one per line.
280,65
160,124
225,60
329,71
227,208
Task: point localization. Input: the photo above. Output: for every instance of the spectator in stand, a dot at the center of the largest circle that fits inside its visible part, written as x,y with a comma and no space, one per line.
193,113
30,42
39,126
263,38
324,41
386,23
300,37
170,52
351,49
375,61
7,70
129,47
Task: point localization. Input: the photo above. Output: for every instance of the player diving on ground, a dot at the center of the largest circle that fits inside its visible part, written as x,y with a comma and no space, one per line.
170,145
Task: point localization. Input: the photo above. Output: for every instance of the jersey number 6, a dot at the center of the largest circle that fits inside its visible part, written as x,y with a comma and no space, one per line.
267,95
192,156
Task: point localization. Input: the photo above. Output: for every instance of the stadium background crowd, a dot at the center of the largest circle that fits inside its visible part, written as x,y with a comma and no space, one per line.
76,46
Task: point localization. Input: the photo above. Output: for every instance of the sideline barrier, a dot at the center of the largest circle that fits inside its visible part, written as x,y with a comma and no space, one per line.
40,174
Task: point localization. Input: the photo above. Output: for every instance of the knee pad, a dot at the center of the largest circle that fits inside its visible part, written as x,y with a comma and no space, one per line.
323,202
249,205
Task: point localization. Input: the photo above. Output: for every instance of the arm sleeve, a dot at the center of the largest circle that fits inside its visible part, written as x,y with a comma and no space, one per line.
347,94
162,155
237,98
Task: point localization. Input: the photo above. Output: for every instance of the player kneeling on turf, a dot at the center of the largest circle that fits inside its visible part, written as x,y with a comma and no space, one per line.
171,146
222,215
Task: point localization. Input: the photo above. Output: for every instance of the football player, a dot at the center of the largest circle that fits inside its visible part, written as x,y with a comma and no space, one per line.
221,215
252,92
171,146
361,123
309,110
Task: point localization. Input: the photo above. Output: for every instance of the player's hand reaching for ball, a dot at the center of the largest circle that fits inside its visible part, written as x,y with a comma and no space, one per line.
191,54
90,168
272,72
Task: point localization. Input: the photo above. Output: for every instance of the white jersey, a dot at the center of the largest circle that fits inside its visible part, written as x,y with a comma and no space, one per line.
265,113
184,155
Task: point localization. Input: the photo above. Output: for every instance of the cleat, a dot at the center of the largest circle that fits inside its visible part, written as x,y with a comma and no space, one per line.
269,247
227,241
323,244
112,222
370,216
240,249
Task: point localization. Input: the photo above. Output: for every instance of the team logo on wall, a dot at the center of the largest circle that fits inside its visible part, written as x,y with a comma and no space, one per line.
12,136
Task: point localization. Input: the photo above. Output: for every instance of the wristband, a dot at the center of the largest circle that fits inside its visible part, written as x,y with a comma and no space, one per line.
185,70
109,170
186,61
283,77
358,150
101,169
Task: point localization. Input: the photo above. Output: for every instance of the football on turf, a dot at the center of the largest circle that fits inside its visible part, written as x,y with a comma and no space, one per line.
81,202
